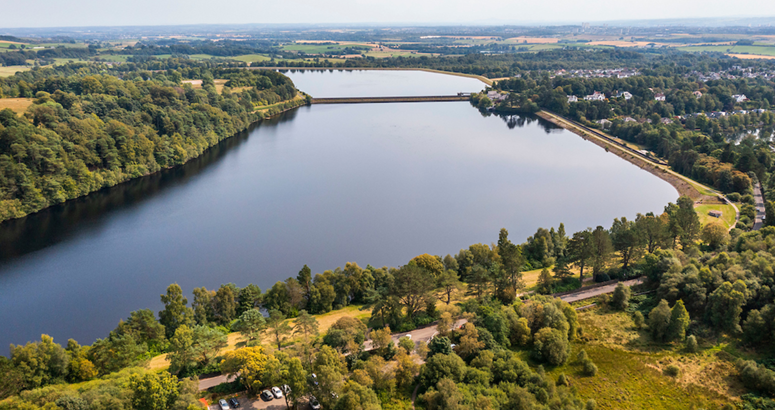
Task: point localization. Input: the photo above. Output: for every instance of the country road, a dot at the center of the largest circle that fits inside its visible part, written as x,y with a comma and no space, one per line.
590,293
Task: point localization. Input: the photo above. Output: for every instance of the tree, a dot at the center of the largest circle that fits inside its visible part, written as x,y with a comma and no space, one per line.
406,369
545,282
446,322
685,222
621,297
406,344
653,230
448,282
440,366
552,346
601,249
346,334
382,341
626,239
439,345
203,306
182,353
248,363
225,304
277,327
714,235
357,397
446,396
638,319
511,259
175,313
250,324
144,327
305,281
659,321
208,343
297,381
725,305
278,298
306,325
469,344
154,391
679,321
430,263
411,285
40,363
691,344
249,298
580,250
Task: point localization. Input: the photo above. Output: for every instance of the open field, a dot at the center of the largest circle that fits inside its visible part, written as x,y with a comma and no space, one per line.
17,105
751,56
532,40
754,50
11,70
727,214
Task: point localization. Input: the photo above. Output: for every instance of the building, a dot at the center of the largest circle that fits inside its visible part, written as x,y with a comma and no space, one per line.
697,94
624,94
715,214
597,96
604,123
659,97
496,97
739,98
666,121
629,119
573,98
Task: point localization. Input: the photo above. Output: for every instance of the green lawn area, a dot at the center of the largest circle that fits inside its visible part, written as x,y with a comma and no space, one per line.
250,58
765,50
11,70
114,57
727,218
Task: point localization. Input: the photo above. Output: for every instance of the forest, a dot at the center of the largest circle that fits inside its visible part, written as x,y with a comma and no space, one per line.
496,347
89,128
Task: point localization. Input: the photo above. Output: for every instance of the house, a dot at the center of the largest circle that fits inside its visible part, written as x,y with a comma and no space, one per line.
495,96
659,97
697,94
715,214
624,94
629,119
573,98
597,96
666,121
604,123
739,98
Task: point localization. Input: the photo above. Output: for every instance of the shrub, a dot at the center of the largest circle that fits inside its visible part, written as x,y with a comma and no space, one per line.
691,344
551,345
562,380
591,405
406,343
734,197
590,368
638,319
672,370
603,277
621,298
582,356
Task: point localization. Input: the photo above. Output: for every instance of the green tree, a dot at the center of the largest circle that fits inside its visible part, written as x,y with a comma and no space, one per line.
182,353
621,297
448,282
659,321
203,306
714,235
511,259
685,222
249,298
627,240
154,391
552,346
430,263
357,397
445,396
545,282
175,313
40,363
652,228
225,304
278,327
725,305
638,319
580,250
601,249
679,321
250,324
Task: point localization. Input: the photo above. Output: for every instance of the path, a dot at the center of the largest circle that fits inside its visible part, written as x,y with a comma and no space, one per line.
418,335
590,293
759,199
205,384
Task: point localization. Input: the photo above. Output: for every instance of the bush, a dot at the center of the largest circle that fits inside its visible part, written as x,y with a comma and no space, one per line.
638,319
603,277
591,405
756,377
747,199
582,356
621,298
672,370
734,197
590,368
562,380
552,346
691,344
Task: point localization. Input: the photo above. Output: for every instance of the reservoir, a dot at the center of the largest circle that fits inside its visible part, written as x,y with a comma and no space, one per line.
321,185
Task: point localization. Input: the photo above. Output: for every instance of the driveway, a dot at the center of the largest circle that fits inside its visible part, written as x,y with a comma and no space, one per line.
590,293
257,403
418,335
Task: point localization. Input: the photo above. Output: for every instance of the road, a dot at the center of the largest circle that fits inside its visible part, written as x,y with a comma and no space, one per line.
418,335
590,293
205,384
759,199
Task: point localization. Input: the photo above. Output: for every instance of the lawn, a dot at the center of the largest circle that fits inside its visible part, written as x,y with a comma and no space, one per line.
11,70
322,48
727,214
17,105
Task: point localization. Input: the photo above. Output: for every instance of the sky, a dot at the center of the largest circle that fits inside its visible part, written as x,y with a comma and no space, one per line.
78,13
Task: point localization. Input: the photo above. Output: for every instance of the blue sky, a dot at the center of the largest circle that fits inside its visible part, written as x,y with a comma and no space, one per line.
69,13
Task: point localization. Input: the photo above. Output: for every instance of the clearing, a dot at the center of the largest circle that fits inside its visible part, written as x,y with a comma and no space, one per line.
17,105
727,214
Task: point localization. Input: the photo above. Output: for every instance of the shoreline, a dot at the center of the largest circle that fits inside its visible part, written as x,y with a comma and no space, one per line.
682,184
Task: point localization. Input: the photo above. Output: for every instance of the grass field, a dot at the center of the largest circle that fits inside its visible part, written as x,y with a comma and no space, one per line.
755,50
17,105
11,70
727,214
630,369
322,48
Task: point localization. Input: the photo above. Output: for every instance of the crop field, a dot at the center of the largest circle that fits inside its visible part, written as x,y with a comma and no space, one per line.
754,50
17,105
322,48
11,70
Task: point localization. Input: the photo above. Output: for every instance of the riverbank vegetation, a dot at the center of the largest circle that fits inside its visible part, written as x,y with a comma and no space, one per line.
87,130
699,330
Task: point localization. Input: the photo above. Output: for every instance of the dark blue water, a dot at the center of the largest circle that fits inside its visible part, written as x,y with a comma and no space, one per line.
323,185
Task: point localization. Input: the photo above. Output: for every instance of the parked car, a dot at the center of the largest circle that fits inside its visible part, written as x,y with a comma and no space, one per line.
313,403
314,378
266,395
286,389
233,402
222,403
278,394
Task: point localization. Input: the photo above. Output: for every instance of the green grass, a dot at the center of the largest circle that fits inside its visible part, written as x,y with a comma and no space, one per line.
114,57
250,58
321,48
768,50
11,70
727,214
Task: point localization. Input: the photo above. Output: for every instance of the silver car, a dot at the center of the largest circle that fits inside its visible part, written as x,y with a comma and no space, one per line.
222,403
278,394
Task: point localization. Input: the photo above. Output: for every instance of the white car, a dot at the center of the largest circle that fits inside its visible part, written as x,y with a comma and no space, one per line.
286,389
224,406
278,394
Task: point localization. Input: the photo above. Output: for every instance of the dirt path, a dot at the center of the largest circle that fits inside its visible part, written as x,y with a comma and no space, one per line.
590,293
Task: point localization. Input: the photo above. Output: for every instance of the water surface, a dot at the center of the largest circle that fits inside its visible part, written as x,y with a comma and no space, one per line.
322,185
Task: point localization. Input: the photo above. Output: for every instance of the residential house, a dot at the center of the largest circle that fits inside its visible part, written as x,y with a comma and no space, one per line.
624,94
739,98
597,96
573,98
496,97
659,97
697,94
630,119
666,121
604,123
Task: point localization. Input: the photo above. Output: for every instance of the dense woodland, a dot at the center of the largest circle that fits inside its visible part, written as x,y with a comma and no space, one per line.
89,129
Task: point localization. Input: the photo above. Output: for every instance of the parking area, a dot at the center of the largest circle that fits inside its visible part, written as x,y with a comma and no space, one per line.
257,403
